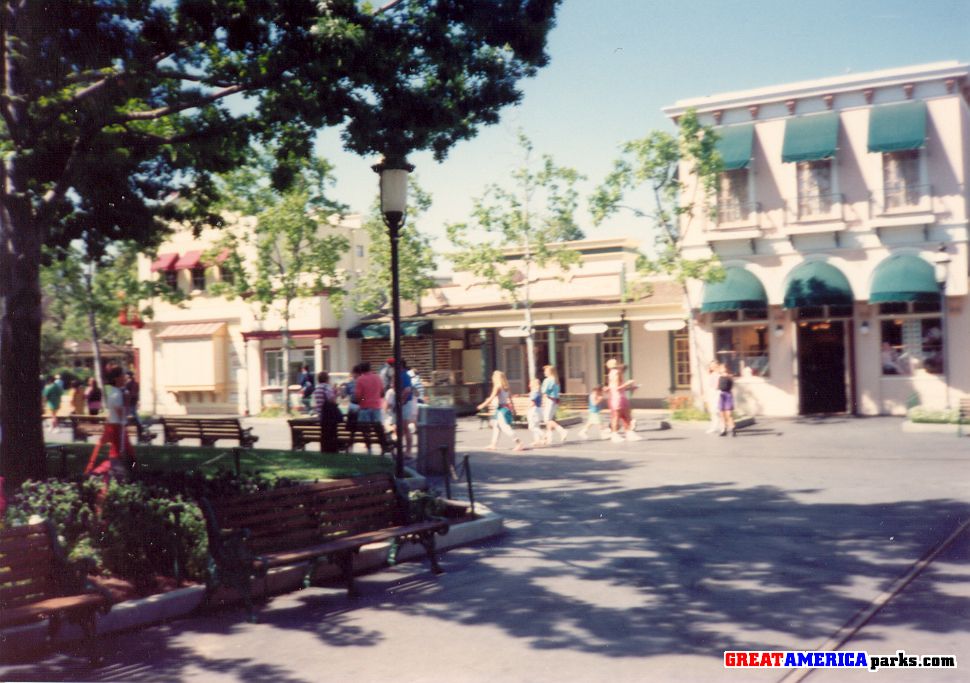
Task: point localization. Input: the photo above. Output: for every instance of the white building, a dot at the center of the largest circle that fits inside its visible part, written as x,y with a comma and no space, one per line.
842,221
213,355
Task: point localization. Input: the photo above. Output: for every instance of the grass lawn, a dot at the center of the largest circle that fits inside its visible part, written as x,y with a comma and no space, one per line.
305,465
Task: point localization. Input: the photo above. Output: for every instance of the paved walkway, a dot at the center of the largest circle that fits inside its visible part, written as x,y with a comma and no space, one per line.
629,562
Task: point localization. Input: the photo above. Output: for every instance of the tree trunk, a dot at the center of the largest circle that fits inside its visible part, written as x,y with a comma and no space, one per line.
22,453
93,328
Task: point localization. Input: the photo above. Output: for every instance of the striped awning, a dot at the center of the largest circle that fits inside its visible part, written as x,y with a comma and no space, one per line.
190,330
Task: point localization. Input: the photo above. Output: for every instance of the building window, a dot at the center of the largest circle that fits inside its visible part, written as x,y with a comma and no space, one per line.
273,365
900,179
198,278
226,275
540,335
681,360
732,196
611,345
910,342
815,188
172,279
743,349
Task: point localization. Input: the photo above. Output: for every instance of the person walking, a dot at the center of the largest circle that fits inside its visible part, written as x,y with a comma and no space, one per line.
713,396
369,395
593,417
52,397
504,411
121,454
132,399
725,401
78,402
620,402
325,401
93,396
305,380
550,393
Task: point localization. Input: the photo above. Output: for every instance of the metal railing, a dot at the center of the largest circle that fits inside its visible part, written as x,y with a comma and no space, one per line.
735,213
815,207
901,198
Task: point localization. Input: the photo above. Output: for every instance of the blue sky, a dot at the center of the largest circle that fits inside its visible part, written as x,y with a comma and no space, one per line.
615,63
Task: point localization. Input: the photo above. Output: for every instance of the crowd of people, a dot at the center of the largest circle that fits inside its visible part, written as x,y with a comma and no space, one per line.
543,407
370,399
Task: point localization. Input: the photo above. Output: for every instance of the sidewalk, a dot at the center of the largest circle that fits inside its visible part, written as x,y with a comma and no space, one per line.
626,562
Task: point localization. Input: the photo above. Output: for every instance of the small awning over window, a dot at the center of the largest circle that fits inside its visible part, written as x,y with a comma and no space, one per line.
164,262
189,260
190,330
220,258
734,145
811,138
904,278
817,284
410,328
739,290
897,127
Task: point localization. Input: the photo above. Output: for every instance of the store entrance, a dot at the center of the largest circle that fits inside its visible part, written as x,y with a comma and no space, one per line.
821,367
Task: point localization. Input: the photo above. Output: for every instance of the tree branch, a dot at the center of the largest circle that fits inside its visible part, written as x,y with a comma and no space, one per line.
161,112
388,6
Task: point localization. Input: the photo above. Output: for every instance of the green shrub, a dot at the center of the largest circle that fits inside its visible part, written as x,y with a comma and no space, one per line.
919,414
690,413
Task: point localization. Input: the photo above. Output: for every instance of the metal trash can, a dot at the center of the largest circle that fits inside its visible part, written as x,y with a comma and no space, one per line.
436,430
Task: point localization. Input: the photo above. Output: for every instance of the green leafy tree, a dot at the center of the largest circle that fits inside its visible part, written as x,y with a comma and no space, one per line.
295,248
88,286
652,165
416,259
115,114
524,229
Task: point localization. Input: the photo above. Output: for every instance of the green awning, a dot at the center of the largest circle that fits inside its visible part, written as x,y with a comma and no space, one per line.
734,145
409,328
897,127
811,138
902,278
739,290
817,284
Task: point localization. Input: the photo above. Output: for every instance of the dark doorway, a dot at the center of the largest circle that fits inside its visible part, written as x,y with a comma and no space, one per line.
821,367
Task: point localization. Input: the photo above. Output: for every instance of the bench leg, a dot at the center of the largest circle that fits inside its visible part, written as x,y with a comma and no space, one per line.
345,561
427,540
89,626
310,571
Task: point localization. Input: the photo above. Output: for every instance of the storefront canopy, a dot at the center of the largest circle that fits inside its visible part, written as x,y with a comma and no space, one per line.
410,328
811,138
904,278
164,262
739,290
188,260
817,284
734,145
897,127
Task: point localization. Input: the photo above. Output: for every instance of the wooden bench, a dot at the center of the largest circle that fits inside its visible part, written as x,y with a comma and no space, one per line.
304,432
207,430
37,584
963,416
84,427
309,523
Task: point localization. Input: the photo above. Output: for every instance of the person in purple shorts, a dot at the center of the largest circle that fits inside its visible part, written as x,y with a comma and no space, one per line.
725,401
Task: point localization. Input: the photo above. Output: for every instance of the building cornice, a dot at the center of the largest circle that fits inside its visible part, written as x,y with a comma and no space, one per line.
886,78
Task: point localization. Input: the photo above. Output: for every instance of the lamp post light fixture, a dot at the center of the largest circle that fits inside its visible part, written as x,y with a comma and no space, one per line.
393,172
941,271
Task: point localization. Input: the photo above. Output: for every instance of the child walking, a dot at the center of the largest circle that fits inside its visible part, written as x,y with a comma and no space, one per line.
502,421
593,415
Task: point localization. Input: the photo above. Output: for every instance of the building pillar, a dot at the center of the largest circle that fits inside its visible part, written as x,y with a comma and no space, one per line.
552,346
626,349
486,356
254,401
598,360
318,356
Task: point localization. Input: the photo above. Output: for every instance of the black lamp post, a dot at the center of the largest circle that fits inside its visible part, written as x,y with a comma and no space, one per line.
941,271
393,172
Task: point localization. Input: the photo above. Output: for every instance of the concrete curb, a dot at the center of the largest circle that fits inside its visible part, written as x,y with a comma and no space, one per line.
22,641
932,428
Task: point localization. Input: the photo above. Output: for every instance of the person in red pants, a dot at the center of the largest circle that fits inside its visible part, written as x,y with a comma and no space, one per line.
121,454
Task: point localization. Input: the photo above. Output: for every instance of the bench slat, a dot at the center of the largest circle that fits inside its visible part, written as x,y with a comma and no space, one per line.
43,609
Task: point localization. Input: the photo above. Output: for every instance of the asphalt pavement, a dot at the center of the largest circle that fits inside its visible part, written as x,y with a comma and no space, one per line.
625,562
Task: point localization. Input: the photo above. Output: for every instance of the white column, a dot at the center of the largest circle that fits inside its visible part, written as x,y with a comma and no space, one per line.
317,355
254,370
